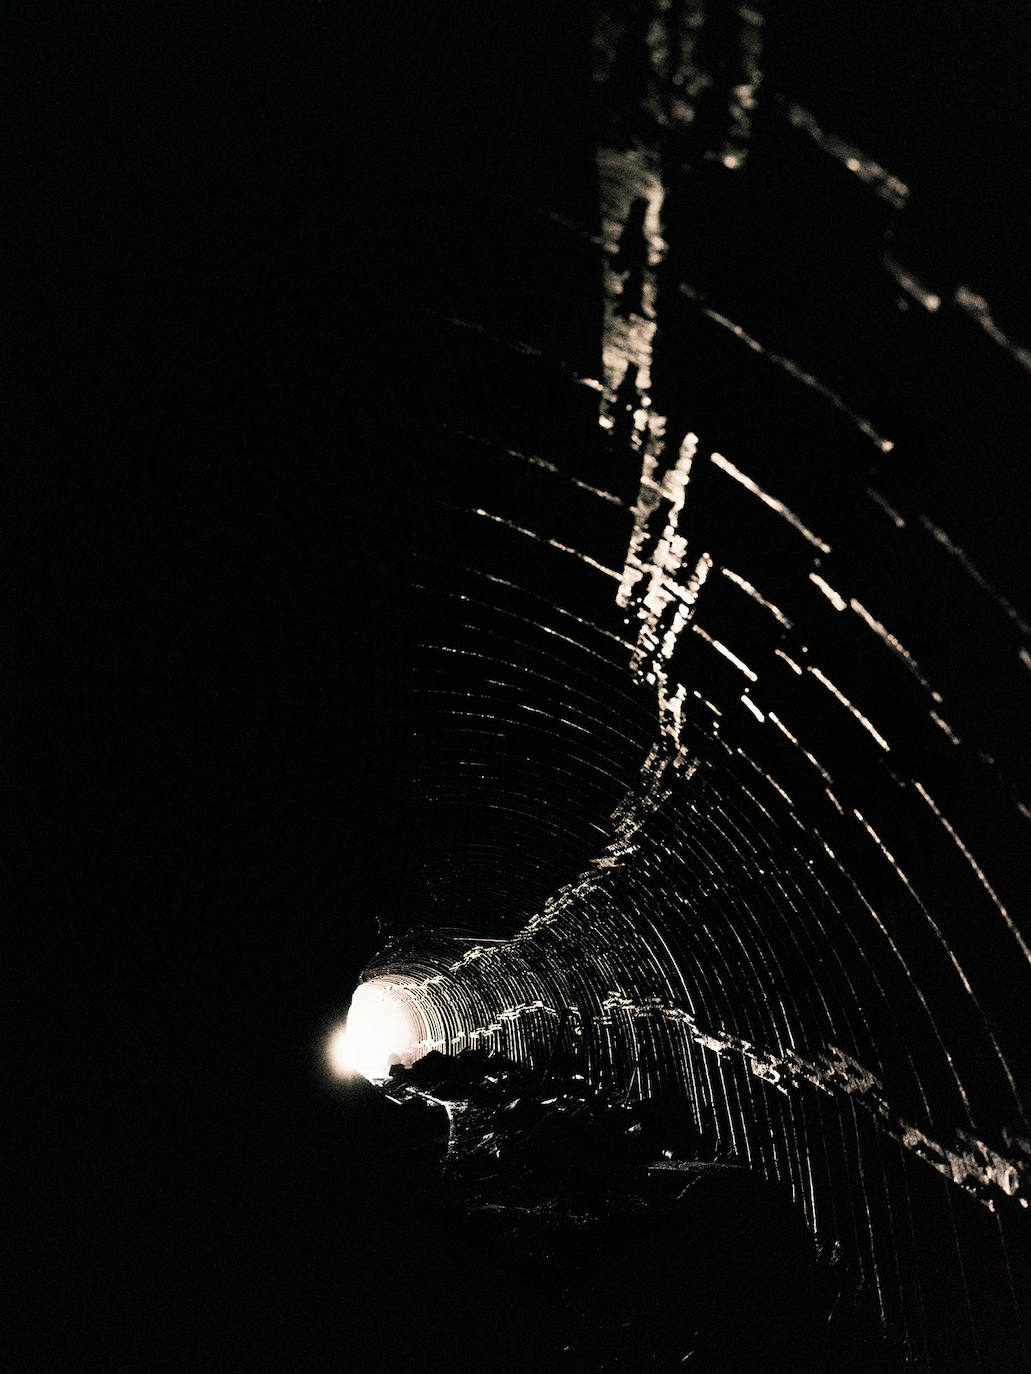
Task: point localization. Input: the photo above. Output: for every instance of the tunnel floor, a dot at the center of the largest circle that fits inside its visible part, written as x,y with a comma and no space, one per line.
577,1240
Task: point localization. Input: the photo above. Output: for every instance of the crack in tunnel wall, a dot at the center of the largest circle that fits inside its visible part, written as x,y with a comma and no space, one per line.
720,683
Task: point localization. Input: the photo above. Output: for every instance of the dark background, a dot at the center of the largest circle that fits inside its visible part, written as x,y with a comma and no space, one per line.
224,218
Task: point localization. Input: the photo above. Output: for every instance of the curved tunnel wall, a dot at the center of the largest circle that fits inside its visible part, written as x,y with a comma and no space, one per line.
719,668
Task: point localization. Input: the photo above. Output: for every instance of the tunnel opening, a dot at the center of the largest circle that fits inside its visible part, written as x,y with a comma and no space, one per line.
383,1027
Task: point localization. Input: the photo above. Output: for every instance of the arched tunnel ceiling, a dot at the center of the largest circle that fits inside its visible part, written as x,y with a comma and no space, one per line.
715,402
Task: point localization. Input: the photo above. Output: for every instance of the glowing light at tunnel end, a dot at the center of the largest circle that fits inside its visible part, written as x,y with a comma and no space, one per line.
378,1031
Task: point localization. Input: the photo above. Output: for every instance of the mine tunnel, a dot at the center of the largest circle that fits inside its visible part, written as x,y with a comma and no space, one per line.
528,575
717,658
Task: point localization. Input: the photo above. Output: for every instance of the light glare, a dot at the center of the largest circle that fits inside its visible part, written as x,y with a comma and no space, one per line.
378,1031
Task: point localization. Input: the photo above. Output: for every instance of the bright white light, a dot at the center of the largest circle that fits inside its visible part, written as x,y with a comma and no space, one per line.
378,1026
